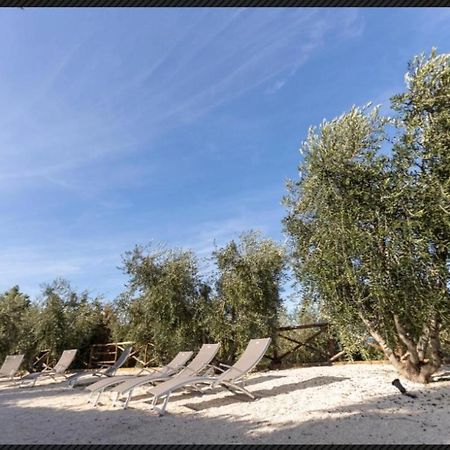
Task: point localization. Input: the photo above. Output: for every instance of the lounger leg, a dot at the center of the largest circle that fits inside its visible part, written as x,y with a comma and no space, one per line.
231,386
97,398
115,398
166,401
195,388
125,406
162,410
245,391
22,383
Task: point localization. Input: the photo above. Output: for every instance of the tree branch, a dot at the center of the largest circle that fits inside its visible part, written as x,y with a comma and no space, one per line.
393,358
422,345
435,343
410,345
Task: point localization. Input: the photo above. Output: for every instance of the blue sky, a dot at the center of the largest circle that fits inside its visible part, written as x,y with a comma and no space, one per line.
120,126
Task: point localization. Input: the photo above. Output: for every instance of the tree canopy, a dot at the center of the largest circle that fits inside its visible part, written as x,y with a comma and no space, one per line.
368,220
250,276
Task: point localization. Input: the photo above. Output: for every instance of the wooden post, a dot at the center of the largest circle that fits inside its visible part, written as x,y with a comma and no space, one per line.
337,356
91,350
276,361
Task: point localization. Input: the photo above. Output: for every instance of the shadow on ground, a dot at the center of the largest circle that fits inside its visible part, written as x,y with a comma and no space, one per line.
387,419
262,393
193,393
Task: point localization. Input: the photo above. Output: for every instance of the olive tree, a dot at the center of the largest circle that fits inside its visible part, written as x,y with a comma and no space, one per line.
69,319
369,225
250,274
17,323
161,301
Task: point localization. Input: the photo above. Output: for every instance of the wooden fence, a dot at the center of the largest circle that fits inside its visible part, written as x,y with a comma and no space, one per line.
329,353
108,353
101,354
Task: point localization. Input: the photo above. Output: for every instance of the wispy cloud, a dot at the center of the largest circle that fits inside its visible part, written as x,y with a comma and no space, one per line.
85,104
212,61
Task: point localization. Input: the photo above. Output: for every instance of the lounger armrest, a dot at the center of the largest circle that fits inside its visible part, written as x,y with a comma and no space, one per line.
105,366
175,369
216,367
225,365
194,372
231,367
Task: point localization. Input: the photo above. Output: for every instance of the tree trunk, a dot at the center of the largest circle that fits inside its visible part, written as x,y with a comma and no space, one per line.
412,365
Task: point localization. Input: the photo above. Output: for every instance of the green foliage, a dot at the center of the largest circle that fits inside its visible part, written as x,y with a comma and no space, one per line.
163,302
250,273
17,324
52,333
331,213
166,305
69,319
422,160
369,231
63,319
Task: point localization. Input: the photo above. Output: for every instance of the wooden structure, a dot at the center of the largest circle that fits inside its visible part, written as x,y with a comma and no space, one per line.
108,353
40,360
329,353
105,354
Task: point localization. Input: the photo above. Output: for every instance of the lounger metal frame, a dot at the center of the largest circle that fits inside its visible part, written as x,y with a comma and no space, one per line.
165,372
58,369
231,379
197,366
105,371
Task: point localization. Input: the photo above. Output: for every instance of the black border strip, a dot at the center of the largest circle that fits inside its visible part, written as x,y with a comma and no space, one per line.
225,3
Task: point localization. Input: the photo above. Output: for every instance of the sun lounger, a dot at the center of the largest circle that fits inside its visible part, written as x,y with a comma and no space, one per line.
164,372
10,366
231,379
58,370
205,355
106,371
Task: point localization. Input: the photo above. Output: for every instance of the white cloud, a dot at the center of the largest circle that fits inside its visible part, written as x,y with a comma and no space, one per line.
102,99
206,66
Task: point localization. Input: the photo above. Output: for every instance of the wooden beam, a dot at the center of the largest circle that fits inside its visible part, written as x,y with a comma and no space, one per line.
290,339
337,356
305,326
310,338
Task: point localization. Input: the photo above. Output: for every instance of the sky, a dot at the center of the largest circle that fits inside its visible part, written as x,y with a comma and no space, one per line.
129,126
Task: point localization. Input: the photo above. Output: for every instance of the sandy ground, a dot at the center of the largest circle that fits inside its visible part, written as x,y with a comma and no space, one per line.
328,404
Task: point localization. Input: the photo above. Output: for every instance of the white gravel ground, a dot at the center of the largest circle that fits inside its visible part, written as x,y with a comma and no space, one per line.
351,403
